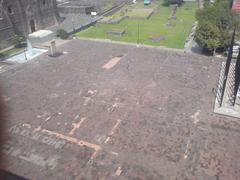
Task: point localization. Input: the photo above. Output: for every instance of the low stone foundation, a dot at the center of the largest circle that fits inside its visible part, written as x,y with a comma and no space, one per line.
41,36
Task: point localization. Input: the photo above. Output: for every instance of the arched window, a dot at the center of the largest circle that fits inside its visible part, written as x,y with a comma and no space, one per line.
10,10
44,2
32,26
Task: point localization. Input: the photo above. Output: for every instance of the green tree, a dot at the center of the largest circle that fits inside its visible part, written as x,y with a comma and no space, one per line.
168,2
18,40
62,34
208,36
217,18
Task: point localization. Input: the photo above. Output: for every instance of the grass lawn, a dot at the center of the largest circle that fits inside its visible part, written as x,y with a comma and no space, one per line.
11,52
115,16
156,26
107,7
137,10
139,13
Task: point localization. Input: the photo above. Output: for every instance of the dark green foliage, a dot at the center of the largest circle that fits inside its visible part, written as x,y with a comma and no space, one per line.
18,40
216,24
208,36
169,2
62,34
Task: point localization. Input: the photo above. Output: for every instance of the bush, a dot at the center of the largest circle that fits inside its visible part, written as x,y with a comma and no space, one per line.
62,34
17,40
169,2
215,26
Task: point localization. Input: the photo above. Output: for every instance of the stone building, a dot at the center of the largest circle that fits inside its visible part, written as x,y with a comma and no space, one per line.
25,16
87,6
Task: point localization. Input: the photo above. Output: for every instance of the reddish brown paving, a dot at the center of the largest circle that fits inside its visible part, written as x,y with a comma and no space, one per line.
150,116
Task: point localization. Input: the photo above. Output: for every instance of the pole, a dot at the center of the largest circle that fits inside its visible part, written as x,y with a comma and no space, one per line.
138,35
25,54
73,24
227,66
237,78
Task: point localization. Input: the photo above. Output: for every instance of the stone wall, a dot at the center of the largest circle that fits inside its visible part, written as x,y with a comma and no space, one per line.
69,9
6,28
97,4
42,12
25,16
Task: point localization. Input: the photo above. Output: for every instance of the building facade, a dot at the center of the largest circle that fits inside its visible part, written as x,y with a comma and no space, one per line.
87,6
25,16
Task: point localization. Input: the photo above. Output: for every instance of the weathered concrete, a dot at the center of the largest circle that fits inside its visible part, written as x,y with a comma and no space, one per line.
148,116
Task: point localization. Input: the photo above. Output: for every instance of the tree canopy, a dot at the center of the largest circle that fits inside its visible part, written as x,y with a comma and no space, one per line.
168,2
215,25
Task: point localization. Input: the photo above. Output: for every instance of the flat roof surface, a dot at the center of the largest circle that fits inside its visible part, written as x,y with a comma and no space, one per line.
111,111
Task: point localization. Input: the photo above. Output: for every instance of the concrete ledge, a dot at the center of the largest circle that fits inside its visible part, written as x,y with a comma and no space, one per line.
41,36
227,111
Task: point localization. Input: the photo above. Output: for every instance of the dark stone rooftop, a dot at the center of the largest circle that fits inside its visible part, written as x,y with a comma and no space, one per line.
111,111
